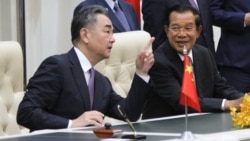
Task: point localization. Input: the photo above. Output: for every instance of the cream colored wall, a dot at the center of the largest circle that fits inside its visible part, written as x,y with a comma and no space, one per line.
47,29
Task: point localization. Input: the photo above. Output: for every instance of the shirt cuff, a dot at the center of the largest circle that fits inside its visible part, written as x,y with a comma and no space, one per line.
223,105
144,77
69,124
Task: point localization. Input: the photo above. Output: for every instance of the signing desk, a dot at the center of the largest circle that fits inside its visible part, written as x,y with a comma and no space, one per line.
169,128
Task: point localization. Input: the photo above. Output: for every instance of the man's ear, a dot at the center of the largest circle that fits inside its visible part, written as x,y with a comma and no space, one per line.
166,30
199,30
84,33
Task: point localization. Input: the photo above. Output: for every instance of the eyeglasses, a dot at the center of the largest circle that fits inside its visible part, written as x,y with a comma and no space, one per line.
176,29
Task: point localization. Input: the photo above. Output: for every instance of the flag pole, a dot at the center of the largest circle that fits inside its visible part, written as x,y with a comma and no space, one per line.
186,135
186,114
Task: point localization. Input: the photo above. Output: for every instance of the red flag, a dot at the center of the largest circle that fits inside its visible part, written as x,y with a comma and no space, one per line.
136,5
188,89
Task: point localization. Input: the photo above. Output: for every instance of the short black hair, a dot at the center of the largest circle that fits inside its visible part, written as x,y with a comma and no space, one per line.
182,8
85,17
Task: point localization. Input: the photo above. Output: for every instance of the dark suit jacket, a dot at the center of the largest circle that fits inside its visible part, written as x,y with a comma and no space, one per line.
167,74
58,92
127,9
154,20
234,45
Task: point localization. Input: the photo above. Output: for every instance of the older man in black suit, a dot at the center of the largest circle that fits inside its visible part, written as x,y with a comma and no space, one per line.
182,29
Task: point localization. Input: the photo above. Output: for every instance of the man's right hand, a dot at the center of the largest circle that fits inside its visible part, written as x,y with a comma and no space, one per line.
247,19
88,118
233,103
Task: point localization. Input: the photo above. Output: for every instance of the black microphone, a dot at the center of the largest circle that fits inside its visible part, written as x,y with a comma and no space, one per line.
134,136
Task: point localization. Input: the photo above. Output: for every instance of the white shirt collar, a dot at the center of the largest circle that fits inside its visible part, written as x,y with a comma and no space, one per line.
190,54
85,64
111,3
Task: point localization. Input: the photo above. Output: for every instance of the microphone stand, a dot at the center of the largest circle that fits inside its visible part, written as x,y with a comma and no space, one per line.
134,136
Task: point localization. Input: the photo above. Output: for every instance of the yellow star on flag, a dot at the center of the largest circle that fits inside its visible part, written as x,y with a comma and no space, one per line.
188,69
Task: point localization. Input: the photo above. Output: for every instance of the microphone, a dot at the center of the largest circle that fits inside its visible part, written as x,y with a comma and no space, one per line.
134,136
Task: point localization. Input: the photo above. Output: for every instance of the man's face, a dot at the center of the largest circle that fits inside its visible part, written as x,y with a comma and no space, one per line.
182,30
101,37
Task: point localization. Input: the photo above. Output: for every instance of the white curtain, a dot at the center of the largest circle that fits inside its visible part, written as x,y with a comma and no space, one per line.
47,30
8,20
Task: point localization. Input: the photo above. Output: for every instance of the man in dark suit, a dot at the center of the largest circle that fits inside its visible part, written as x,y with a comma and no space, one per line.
182,29
109,5
232,55
58,96
155,20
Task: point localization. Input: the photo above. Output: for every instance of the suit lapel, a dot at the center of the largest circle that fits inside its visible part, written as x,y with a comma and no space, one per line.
197,61
175,59
79,78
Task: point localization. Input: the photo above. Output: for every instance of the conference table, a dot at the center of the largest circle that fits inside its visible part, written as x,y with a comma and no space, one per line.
204,126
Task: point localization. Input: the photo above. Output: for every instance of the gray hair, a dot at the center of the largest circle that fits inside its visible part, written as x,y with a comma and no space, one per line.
85,17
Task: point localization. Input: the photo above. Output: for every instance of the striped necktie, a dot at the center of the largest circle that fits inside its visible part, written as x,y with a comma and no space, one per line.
121,16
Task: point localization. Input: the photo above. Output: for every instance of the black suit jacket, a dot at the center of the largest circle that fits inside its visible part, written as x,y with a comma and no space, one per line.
58,92
154,20
167,74
127,9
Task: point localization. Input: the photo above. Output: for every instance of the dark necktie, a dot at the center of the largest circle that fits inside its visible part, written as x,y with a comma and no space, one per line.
192,2
91,86
121,16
